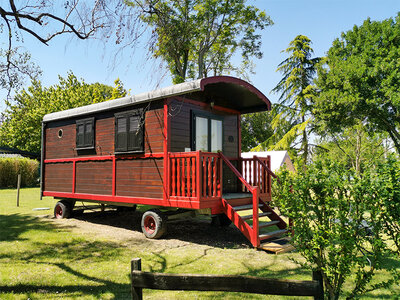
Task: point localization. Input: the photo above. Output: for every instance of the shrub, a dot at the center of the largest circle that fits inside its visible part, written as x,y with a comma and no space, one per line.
10,167
338,222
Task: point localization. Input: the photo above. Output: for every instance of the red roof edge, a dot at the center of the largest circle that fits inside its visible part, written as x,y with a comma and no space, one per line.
234,80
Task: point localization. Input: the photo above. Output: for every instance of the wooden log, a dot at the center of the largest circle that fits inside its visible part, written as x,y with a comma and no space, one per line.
137,291
317,276
227,283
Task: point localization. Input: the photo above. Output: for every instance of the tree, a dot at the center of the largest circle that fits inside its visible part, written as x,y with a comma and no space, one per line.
21,126
355,148
339,225
44,21
201,37
360,80
296,93
258,133
256,128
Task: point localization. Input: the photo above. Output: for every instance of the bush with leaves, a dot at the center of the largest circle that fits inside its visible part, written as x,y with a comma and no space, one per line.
10,167
338,228
22,119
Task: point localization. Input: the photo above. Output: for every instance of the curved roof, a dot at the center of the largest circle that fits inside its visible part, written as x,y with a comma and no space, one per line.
224,91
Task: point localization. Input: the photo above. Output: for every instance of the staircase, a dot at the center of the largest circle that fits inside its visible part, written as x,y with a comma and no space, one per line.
249,212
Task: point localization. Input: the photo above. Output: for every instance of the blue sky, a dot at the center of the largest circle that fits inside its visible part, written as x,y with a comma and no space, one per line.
321,20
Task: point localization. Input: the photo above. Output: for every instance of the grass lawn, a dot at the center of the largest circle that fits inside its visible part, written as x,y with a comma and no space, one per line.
43,258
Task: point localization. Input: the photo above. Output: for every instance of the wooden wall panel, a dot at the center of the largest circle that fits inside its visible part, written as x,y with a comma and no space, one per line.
140,178
58,177
64,147
94,177
181,127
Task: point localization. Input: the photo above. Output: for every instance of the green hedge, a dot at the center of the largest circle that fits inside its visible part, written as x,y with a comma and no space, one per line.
10,167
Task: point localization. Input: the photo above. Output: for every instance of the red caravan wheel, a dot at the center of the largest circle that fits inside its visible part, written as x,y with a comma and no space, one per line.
62,210
154,224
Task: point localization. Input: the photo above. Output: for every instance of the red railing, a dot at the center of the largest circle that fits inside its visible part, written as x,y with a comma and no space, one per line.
257,172
195,175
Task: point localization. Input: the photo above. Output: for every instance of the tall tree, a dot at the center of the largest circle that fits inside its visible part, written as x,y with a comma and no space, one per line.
46,20
21,126
198,38
360,81
296,88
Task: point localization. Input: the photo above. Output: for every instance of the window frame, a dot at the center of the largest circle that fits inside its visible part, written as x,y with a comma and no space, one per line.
209,117
91,143
139,112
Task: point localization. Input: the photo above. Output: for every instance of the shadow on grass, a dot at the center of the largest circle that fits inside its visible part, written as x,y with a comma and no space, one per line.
194,230
13,226
61,253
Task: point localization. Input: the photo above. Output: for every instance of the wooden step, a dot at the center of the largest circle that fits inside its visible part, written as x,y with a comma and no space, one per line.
245,207
267,224
248,217
277,246
272,234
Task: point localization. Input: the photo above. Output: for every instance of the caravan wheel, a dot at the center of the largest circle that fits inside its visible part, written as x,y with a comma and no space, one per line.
154,224
62,210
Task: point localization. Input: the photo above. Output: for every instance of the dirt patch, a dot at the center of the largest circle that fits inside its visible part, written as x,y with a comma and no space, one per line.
125,227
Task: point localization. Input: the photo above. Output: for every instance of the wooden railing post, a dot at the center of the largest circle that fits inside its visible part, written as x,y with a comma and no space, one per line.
317,275
255,237
137,292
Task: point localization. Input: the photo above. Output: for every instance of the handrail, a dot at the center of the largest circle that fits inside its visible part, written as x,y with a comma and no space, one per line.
235,171
266,167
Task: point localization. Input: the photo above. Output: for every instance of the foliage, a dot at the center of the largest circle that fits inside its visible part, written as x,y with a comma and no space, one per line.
201,37
256,128
15,66
45,20
10,167
338,228
360,80
354,147
21,127
296,93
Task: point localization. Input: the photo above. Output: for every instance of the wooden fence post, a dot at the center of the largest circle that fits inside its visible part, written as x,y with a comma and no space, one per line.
18,188
137,293
317,275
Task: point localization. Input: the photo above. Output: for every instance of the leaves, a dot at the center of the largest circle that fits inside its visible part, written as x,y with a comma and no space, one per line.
296,93
341,220
21,126
361,79
199,38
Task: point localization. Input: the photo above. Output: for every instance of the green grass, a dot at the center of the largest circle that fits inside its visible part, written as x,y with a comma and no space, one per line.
41,258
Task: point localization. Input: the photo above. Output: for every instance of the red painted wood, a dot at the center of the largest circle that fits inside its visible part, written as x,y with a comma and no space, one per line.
215,177
183,177
255,239
193,177
178,177
209,176
125,199
74,176
188,187
220,178
198,175
229,164
204,176
237,220
173,176
165,148
114,176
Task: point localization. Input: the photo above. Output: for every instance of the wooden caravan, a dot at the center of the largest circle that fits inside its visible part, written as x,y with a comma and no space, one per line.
176,147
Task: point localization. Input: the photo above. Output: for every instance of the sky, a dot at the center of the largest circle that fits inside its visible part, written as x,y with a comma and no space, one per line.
321,20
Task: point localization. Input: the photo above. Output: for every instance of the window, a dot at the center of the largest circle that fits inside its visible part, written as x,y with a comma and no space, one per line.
129,133
85,134
207,132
